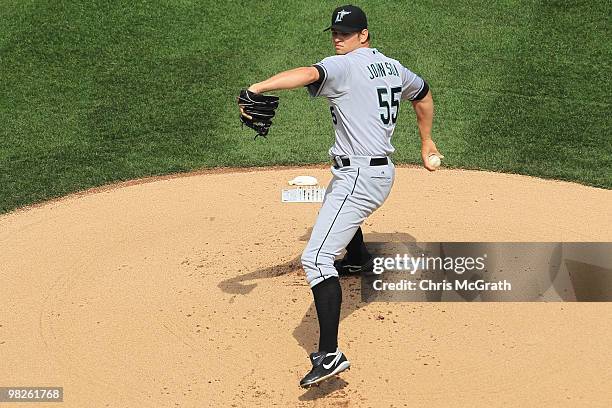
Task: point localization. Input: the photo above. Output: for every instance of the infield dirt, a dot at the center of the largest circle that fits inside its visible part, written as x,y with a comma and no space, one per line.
188,291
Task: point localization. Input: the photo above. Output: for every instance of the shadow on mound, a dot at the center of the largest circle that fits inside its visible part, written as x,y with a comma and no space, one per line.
326,388
237,286
306,333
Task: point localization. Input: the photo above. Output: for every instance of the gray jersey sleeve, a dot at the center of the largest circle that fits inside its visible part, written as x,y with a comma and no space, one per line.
335,72
412,84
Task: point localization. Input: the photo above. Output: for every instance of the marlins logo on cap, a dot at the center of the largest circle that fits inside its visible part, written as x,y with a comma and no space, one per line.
348,19
341,15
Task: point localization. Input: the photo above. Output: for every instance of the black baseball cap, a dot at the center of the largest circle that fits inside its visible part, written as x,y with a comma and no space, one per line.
348,19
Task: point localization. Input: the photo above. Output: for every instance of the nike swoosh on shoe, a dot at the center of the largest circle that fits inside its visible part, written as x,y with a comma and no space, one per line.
333,362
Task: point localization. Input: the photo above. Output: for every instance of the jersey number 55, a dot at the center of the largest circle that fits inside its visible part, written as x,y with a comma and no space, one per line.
388,104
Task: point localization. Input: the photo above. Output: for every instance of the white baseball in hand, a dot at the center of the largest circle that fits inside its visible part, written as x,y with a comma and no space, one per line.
434,161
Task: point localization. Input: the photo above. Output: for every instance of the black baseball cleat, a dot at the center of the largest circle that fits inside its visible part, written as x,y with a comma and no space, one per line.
324,366
345,268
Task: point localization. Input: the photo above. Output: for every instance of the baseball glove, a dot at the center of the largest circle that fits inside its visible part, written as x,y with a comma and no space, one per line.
257,111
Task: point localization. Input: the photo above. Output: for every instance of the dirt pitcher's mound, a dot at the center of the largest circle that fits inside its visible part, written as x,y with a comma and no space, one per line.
188,292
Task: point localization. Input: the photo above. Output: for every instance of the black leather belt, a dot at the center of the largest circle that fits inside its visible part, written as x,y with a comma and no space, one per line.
375,161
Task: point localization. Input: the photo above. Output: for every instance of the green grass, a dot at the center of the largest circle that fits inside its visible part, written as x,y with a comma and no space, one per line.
100,91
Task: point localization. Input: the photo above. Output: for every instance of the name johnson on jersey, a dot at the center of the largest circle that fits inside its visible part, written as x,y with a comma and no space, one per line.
378,70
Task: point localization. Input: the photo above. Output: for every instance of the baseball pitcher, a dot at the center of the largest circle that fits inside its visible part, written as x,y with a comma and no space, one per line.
364,89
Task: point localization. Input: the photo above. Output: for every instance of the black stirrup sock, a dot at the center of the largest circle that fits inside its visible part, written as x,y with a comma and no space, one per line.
328,298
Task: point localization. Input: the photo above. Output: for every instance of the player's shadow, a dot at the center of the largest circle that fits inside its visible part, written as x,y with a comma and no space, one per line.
327,387
306,333
244,284
239,285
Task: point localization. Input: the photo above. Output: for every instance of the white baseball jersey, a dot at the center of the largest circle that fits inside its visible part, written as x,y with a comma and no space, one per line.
364,89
